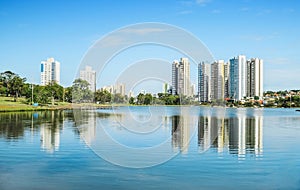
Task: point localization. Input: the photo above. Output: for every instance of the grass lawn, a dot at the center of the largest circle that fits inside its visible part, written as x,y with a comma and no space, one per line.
7,104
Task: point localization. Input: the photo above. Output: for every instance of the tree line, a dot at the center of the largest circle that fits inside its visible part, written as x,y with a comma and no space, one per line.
12,85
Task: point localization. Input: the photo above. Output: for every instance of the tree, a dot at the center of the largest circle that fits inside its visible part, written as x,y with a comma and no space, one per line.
81,92
131,100
140,98
147,99
17,84
103,96
12,83
41,95
118,98
55,91
2,88
68,94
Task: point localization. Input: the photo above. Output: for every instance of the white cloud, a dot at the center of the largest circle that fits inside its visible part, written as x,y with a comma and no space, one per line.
185,12
143,31
202,2
113,41
216,11
278,61
276,79
264,12
259,37
244,9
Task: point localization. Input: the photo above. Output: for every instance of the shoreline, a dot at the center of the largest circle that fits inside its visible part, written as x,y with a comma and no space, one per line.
24,108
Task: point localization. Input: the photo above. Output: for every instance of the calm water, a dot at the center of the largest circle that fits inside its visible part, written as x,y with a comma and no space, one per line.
151,148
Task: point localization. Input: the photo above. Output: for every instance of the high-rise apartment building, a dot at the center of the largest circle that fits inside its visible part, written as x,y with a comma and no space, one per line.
204,79
89,75
50,71
119,89
255,77
226,80
217,80
237,77
181,77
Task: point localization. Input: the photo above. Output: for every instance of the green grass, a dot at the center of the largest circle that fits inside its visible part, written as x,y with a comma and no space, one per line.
7,104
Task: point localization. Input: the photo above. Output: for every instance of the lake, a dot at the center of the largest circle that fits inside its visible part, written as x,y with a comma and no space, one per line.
140,147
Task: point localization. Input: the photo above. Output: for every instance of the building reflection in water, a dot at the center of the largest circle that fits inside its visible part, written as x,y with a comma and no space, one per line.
50,130
182,129
239,135
87,127
50,138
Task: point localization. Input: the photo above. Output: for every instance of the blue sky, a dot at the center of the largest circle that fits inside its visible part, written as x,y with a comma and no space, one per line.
31,31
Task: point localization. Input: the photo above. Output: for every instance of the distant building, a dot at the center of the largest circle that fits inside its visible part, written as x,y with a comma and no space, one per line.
165,88
130,94
50,71
115,89
119,89
89,75
237,77
217,80
204,77
181,77
192,90
255,77
226,80
109,89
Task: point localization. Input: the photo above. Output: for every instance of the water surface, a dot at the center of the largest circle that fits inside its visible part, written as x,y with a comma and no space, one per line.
151,148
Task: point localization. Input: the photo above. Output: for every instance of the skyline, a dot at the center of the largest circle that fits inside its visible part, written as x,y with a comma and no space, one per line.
227,29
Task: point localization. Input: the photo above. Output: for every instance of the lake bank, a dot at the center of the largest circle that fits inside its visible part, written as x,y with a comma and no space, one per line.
8,105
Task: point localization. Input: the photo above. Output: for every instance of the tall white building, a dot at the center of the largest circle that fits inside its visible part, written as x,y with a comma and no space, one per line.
237,77
181,77
204,79
119,89
226,80
50,71
217,80
89,75
255,77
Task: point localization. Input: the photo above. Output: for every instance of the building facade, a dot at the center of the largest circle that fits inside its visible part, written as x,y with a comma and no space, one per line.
226,80
204,79
119,89
255,77
50,71
181,77
89,75
237,77
217,80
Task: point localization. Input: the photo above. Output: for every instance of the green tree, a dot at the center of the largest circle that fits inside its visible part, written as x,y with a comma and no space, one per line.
17,84
68,94
118,98
81,92
55,91
13,83
140,99
148,99
40,95
103,96
131,100
2,88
